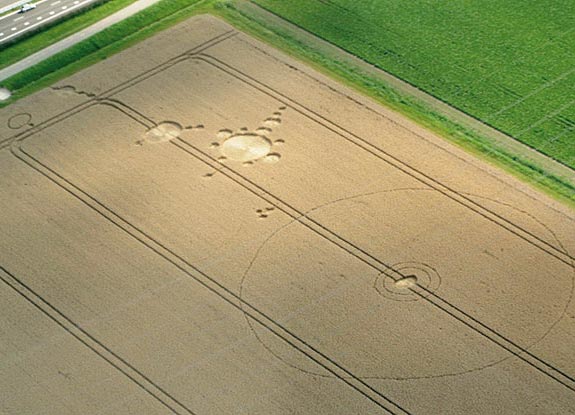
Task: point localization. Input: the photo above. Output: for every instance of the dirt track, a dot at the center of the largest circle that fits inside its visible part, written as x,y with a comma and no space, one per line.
208,227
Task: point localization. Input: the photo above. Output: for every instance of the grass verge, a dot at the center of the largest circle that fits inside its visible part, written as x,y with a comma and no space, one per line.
169,12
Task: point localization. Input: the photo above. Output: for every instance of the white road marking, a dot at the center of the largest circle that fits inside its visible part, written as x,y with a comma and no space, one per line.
8,15
53,15
18,18
39,18
1,34
15,12
56,3
26,23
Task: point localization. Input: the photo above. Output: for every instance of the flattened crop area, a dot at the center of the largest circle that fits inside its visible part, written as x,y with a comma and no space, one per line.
209,227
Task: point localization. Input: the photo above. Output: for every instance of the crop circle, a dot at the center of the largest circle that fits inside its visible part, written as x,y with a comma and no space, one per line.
163,132
246,147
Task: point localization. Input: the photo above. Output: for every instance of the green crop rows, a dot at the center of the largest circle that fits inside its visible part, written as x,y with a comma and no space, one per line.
510,64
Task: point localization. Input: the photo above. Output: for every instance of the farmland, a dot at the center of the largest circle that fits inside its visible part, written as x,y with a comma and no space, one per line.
509,64
189,218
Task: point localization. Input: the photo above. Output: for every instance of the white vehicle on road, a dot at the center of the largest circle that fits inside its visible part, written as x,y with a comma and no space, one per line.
27,7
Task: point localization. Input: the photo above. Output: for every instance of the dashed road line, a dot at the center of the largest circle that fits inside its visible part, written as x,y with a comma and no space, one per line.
42,19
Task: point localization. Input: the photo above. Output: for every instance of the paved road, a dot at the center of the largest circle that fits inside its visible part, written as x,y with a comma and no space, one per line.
75,38
4,3
15,24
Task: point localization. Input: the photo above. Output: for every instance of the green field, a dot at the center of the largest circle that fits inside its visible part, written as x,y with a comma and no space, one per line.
510,64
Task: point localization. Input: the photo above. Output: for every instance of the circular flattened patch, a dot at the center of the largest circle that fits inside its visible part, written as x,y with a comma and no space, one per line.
163,132
418,281
4,94
19,120
272,158
246,147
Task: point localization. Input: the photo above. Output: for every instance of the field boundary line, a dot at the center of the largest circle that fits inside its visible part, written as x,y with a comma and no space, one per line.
90,342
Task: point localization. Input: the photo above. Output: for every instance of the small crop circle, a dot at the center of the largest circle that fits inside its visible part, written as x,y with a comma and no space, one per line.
163,132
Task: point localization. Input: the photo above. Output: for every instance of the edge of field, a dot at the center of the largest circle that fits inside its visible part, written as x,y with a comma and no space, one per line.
167,13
